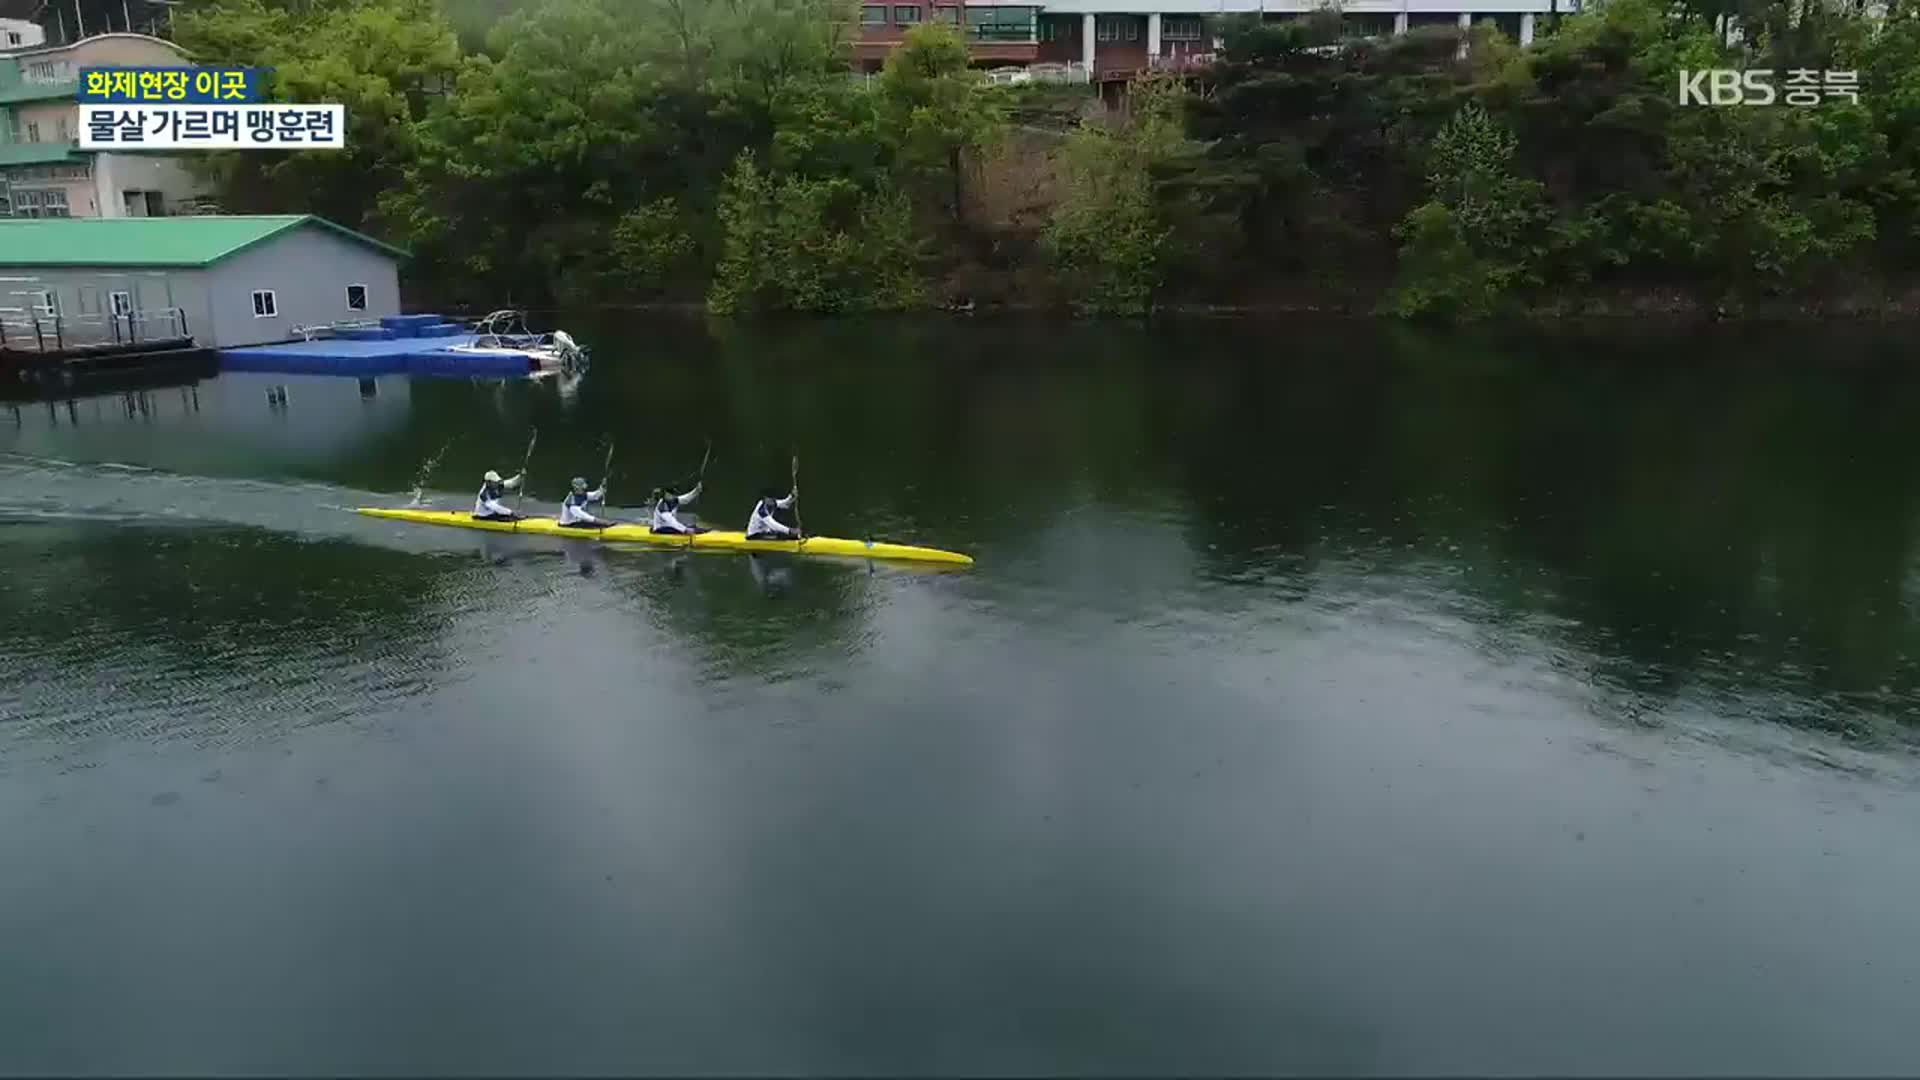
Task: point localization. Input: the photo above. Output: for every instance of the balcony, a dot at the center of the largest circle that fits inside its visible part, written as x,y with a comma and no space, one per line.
39,153
27,91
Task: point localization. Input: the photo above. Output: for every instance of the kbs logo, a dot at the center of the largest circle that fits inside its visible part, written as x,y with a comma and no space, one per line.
1727,86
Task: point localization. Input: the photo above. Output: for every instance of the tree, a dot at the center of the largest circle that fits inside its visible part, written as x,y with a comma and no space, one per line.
814,244
936,109
1111,232
385,60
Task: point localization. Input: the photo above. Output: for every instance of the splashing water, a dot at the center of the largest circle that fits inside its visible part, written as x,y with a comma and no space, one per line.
426,473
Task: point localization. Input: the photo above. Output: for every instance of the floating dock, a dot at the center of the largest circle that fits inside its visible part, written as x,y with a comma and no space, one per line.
47,376
409,344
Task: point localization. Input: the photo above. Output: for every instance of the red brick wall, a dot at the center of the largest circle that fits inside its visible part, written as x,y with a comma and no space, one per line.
1121,54
1066,46
875,42
892,32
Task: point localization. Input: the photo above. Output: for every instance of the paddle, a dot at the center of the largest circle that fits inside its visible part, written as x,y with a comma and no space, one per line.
606,482
798,525
521,496
701,476
700,479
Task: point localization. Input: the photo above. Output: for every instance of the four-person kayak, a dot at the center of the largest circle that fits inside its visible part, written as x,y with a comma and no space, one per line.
641,534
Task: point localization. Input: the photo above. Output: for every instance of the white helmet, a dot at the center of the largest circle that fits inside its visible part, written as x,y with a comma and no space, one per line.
491,477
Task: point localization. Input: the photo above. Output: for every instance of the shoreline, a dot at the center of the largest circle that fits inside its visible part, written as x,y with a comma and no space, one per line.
1667,310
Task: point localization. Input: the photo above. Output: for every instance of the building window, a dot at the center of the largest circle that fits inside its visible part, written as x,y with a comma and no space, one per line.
1133,29
906,14
1001,23
52,172
33,131
1106,30
66,132
45,302
37,203
948,15
356,298
263,304
13,38
122,302
48,71
1181,28
873,15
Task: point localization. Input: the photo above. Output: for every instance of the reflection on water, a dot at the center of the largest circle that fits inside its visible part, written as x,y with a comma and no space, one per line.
1697,539
1321,700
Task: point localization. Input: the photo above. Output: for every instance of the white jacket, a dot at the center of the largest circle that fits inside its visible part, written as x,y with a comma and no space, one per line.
485,507
664,518
762,522
575,507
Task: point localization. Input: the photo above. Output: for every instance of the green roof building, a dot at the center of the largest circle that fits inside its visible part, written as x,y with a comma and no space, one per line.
231,280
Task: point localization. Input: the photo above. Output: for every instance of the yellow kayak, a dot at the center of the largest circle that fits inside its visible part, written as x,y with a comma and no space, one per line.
713,541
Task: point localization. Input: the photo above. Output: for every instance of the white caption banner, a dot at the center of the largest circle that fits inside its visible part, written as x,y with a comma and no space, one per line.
212,127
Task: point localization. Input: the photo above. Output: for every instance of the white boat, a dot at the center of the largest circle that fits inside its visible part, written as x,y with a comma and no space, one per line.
505,333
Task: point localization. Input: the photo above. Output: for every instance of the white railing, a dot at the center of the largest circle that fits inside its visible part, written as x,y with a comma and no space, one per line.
38,328
1180,62
1046,72
327,330
1074,72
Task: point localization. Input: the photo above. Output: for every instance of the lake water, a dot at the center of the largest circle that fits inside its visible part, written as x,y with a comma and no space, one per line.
1324,699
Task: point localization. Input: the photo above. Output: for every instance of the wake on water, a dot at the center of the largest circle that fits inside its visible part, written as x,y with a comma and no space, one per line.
47,490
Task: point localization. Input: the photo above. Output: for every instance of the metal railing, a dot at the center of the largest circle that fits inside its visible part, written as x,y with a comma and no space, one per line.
1000,33
44,330
1181,62
327,330
1074,72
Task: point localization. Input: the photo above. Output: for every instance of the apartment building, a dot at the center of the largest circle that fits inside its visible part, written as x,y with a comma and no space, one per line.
43,171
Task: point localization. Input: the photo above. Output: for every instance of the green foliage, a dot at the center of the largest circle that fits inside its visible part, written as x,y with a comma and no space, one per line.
1111,233
1520,172
1463,248
937,110
651,243
811,244
585,150
1442,276
382,59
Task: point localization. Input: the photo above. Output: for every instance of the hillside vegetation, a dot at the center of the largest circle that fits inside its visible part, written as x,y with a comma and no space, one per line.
718,152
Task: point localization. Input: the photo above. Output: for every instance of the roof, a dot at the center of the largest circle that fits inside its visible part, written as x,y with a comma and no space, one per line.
15,88
154,241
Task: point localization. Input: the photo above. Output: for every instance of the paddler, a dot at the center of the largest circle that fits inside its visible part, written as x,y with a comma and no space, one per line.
763,525
488,505
573,510
666,512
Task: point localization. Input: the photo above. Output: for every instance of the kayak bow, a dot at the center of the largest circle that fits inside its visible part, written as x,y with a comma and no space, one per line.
640,534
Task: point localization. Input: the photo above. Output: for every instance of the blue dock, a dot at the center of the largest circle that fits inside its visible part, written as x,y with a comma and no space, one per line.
409,344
